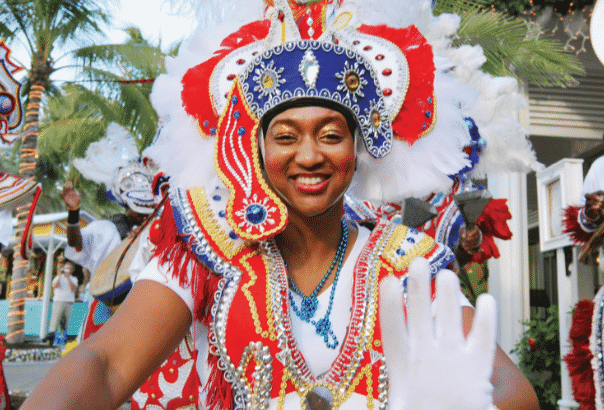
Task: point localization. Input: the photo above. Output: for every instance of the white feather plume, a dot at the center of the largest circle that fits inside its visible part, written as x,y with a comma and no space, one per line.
105,156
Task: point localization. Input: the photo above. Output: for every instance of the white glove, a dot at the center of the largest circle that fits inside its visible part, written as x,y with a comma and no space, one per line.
431,366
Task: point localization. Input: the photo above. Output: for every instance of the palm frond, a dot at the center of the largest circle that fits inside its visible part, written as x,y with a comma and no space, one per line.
511,48
139,114
133,60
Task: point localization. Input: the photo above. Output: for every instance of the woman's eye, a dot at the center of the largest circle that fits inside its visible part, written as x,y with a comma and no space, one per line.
284,138
332,138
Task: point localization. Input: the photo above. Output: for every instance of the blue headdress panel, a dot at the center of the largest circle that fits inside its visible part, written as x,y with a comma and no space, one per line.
326,71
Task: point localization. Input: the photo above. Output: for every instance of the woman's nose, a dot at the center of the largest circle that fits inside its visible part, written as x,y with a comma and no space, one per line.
309,152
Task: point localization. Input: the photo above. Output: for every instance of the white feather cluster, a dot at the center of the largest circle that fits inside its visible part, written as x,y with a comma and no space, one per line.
105,156
497,108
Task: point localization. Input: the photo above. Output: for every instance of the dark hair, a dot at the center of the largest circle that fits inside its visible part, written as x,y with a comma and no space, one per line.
309,102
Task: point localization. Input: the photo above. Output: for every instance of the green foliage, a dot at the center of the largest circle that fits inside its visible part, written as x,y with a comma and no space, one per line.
73,121
474,278
114,70
42,26
511,46
541,363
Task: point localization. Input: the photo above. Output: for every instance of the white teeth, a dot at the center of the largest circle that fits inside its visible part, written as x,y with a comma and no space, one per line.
309,180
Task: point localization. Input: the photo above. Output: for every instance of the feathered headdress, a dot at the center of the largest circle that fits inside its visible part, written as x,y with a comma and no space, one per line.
409,102
115,162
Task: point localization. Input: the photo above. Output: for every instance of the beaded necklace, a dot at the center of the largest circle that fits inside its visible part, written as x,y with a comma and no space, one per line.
309,304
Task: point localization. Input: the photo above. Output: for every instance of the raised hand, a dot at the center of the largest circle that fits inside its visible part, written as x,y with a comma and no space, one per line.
71,196
431,366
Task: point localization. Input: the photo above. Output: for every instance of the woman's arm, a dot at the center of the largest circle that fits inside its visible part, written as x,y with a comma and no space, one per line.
512,391
116,360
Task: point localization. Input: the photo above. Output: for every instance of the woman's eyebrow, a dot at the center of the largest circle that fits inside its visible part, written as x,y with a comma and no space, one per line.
295,123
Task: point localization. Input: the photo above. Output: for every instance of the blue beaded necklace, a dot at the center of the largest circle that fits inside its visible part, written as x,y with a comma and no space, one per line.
309,304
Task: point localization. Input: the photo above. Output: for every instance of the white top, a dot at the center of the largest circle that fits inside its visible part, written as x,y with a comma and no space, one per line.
63,292
99,238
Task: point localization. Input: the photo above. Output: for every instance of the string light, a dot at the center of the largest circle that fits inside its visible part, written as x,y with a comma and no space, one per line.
575,25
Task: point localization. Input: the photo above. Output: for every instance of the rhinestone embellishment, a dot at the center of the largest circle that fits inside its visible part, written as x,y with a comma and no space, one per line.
268,79
352,81
309,68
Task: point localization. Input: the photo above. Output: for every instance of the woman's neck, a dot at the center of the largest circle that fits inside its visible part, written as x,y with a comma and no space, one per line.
309,245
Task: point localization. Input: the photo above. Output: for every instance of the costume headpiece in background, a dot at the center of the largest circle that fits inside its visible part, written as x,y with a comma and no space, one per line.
115,162
14,191
11,110
407,88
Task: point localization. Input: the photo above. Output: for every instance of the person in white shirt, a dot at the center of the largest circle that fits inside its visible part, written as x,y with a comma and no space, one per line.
64,286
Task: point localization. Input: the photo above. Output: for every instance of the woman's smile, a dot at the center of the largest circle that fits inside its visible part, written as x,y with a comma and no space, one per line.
311,184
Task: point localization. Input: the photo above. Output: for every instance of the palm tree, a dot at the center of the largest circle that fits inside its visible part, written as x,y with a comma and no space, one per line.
41,25
125,73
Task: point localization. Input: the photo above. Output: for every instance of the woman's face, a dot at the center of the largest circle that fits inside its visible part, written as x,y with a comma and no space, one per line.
309,158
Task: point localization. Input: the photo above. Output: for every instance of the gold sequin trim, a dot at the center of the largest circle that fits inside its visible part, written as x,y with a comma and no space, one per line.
199,201
246,291
400,263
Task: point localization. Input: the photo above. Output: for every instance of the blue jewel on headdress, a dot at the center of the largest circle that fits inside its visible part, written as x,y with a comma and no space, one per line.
216,198
424,126
206,123
221,214
429,100
233,235
400,252
411,240
241,130
213,131
234,99
428,114
237,115
255,213
6,104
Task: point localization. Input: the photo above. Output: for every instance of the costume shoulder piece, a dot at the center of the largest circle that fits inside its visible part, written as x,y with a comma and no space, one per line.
405,244
200,217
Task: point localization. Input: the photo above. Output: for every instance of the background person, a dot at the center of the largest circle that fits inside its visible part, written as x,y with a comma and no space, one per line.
64,287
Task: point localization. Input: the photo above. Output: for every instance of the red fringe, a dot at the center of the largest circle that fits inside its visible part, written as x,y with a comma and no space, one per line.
196,94
572,226
579,359
493,224
409,123
173,249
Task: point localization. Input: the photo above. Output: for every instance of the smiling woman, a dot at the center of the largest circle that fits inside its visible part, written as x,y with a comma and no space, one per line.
281,285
